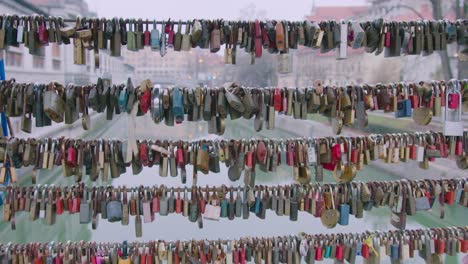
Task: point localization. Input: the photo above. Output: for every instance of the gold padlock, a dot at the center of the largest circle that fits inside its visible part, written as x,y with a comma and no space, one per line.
203,158
54,104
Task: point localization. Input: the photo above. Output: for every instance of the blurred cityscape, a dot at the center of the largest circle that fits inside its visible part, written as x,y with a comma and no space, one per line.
201,67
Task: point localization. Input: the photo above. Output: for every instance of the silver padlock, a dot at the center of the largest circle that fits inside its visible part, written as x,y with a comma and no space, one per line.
453,127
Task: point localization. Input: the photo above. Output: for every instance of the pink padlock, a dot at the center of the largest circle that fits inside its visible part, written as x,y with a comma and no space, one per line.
42,32
318,253
453,100
180,156
459,147
242,255
339,253
71,157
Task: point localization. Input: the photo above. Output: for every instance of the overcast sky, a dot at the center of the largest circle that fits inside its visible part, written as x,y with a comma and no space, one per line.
226,9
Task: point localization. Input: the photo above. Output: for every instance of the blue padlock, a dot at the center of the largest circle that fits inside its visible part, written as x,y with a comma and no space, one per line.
256,207
123,98
327,252
359,248
403,108
224,208
344,214
177,105
394,251
155,40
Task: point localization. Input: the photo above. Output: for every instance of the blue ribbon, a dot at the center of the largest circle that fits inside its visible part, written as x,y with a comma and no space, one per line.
4,121
2,70
3,116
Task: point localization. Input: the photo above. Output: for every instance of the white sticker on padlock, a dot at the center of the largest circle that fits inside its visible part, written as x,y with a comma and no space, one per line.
420,154
312,155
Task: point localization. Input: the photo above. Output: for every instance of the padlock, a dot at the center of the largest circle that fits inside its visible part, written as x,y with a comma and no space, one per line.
453,127
71,157
404,105
453,100
344,214
54,104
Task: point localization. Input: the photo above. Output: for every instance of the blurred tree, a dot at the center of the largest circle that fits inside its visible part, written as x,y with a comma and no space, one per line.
444,58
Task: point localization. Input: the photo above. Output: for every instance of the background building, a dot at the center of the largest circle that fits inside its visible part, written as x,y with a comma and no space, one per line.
360,66
182,68
56,62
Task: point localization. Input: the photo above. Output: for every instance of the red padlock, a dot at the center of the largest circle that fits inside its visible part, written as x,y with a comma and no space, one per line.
249,159
329,166
58,260
260,154
75,208
149,256
143,257
453,100
365,252
318,253
59,205
178,204
147,36
442,98
449,197
306,204
290,155
43,33
413,152
443,148
355,155
428,196
180,157
169,30
339,253
236,256
175,259
71,160
414,99
277,100
38,260
242,255
411,248
464,245
202,206
336,153
143,151
258,39
145,101
155,205
202,255
387,39
440,245
459,147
